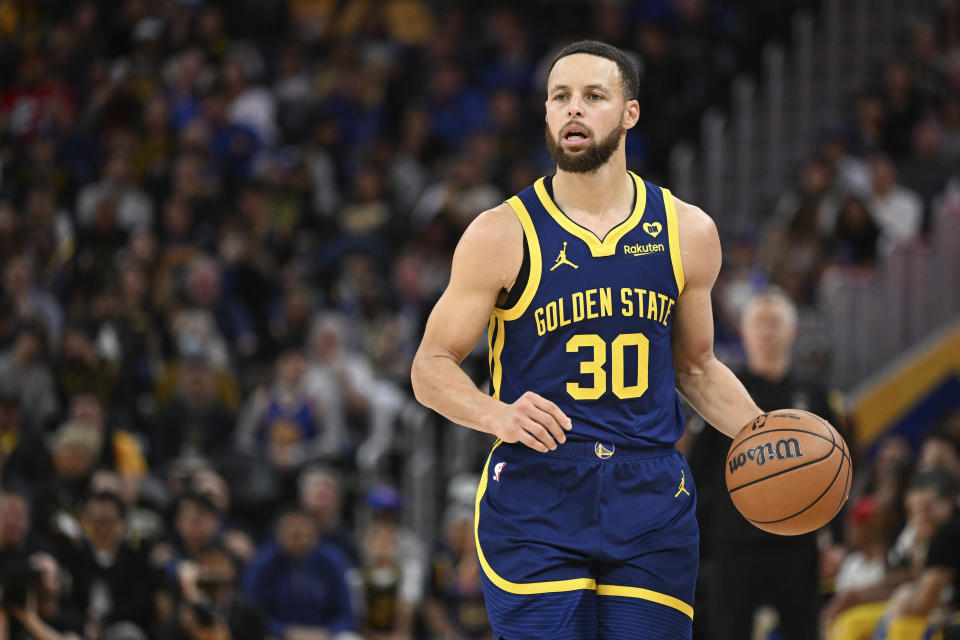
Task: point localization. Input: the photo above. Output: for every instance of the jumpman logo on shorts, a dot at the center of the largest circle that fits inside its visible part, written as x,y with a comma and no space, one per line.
562,259
683,487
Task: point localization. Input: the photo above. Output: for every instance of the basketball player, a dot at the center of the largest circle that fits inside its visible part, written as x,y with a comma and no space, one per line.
594,287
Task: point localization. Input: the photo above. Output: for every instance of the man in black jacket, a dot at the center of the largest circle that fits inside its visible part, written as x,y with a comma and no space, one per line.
743,567
112,581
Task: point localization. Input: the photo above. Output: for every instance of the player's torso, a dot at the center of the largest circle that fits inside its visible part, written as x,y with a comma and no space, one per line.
591,331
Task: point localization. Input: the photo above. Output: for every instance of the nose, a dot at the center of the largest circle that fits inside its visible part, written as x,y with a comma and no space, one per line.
575,107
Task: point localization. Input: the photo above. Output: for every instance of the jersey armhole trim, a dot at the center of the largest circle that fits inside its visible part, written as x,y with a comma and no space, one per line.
673,235
533,280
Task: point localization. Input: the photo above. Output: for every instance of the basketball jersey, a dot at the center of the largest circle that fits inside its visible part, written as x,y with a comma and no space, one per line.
591,329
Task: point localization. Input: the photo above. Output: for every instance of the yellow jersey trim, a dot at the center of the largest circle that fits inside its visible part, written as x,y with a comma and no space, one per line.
533,280
555,586
495,342
598,247
645,594
673,236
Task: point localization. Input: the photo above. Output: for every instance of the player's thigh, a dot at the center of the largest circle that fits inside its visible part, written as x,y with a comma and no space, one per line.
647,581
564,615
629,618
533,542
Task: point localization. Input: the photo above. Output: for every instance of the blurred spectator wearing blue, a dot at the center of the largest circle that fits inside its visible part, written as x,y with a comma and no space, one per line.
299,583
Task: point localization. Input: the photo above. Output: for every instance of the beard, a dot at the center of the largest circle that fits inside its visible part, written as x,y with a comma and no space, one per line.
594,156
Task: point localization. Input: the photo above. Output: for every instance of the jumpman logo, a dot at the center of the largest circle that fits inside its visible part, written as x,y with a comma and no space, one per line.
683,488
562,259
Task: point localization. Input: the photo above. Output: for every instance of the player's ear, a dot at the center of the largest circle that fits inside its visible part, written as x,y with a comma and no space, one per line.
631,114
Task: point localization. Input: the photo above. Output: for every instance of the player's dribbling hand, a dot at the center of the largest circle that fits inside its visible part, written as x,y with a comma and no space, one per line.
534,421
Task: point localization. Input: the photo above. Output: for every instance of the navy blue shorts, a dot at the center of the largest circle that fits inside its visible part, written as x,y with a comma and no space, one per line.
587,542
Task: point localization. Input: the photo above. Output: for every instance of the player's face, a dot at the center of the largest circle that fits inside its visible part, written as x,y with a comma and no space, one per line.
586,113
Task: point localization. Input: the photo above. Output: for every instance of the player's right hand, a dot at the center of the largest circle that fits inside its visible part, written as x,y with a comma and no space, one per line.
534,421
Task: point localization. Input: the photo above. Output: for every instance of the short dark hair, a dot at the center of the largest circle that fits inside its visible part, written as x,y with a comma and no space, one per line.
199,499
942,484
110,498
629,75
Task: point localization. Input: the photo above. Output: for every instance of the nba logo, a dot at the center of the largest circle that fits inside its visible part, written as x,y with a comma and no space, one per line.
497,469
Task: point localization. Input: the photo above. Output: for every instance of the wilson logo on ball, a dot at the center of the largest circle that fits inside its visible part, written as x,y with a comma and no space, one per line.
782,450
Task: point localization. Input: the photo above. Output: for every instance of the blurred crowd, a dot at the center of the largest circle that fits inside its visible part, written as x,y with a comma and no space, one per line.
221,227
882,178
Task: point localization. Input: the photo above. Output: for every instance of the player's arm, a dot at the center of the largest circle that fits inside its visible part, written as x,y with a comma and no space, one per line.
485,264
705,382
925,594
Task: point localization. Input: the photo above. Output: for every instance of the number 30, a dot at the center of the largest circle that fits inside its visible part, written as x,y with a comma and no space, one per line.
595,368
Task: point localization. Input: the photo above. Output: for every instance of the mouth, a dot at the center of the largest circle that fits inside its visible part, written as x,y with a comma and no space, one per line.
574,136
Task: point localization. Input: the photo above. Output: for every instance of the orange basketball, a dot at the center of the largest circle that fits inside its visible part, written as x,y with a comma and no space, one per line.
788,472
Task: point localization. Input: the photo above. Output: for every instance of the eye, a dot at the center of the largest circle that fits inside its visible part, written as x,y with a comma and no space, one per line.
560,97
595,96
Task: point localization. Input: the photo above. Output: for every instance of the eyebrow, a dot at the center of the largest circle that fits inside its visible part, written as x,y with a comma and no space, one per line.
557,87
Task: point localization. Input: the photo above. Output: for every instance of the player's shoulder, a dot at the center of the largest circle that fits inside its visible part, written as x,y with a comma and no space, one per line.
492,243
494,233
694,224
699,242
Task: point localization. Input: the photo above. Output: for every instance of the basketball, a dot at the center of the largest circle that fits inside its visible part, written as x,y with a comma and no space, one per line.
788,472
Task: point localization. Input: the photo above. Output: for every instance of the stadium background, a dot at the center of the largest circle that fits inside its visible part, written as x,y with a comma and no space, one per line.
223,223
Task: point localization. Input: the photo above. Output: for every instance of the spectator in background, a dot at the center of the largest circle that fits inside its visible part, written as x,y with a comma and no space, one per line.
940,449
196,421
793,254
210,605
133,208
233,536
25,372
950,128
747,565
197,526
454,608
321,496
121,451
814,191
25,457
924,170
36,605
60,497
855,235
29,299
221,316
290,322
931,502
896,210
913,607
81,368
301,588
111,578
18,539
902,107
392,570
283,422
248,105
865,563
460,196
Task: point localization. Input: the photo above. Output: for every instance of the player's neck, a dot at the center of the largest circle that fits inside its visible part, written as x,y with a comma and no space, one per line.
609,187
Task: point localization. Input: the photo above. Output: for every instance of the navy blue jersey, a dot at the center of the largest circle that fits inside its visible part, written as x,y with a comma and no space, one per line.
591,330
